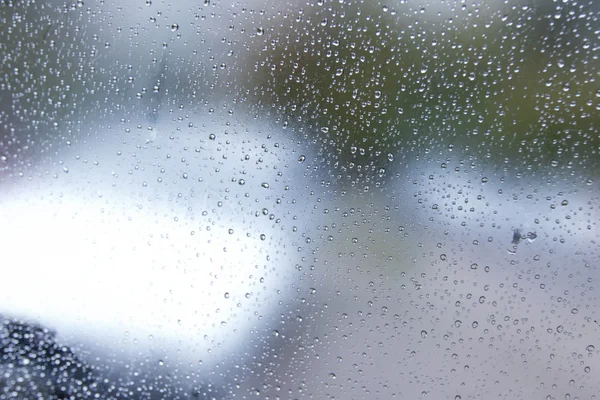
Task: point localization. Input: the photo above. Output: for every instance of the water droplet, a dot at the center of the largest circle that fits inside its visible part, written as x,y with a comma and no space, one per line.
174,27
260,31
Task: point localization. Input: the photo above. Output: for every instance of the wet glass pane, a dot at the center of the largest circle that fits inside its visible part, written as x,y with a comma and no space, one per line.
299,200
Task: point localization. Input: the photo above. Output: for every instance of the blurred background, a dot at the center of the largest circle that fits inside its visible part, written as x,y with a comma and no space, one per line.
302,199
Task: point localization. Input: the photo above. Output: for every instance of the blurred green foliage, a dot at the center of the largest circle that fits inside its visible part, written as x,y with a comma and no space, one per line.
367,83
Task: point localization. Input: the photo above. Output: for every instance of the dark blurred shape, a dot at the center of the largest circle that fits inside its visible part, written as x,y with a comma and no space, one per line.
517,236
34,366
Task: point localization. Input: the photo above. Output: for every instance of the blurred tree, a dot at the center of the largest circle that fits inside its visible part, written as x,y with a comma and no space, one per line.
368,83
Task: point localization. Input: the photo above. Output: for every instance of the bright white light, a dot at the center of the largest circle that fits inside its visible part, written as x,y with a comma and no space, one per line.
138,245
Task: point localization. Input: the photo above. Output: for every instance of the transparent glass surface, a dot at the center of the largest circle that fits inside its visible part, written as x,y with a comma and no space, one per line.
299,200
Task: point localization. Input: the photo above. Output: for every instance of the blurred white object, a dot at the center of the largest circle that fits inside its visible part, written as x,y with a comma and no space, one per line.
175,240
453,282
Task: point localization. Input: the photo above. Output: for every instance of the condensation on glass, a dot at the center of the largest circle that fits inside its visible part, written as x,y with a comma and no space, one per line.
296,200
